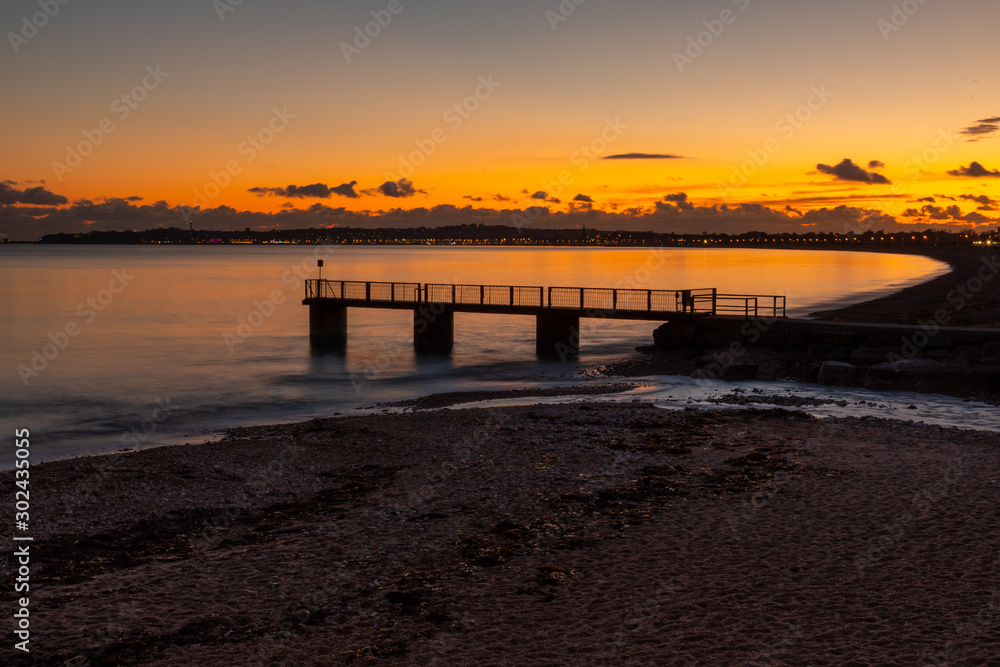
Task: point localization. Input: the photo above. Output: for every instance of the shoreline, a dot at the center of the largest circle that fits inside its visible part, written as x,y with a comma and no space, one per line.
961,298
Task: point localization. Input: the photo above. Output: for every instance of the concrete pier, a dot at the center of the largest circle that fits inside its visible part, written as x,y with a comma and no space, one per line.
433,328
327,325
557,334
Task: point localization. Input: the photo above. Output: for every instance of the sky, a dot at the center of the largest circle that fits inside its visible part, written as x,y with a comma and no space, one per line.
669,115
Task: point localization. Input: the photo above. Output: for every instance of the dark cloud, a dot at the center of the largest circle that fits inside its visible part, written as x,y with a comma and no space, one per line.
471,198
949,214
314,191
583,198
346,190
397,189
680,199
502,198
876,164
666,215
979,199
975,170
134,198
848,171
541,195
981,129
929,200
36,196
642,156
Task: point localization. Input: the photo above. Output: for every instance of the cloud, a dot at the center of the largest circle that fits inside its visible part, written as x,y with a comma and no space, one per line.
975,170
672,213
642,156
471,198
583,198
981,129
929,200
314,191
876,164
541,195
346,190
680,199
134,198
502,198
848,171
36,196
979,199
397,189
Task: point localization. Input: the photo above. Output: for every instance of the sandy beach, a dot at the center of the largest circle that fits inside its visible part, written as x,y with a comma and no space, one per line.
588,534
594,533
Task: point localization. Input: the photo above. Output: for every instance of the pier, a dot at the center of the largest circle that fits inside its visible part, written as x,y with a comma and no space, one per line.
557,310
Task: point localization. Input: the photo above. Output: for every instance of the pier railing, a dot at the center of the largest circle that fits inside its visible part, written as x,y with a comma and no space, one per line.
695,301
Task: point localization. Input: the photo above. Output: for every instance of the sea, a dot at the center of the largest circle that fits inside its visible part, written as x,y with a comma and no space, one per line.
122,347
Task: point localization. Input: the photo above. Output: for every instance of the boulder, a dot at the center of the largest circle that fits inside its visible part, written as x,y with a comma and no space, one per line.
907,365
674,334
771,370
837,373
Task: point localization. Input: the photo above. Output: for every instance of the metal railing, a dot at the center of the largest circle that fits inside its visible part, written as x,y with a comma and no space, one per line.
702,301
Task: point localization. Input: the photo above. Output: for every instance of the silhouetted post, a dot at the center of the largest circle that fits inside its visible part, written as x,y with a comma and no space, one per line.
327,325
433,328
557,334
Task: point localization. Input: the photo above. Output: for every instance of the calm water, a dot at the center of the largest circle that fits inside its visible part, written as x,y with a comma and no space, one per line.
149,361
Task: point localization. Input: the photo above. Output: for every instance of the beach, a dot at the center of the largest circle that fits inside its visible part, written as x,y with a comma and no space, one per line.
587,534
591,533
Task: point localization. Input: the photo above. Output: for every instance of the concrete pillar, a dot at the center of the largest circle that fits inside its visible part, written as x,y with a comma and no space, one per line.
327,325
433,328
557,334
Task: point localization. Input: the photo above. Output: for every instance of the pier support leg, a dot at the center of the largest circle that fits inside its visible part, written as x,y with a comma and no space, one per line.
557,335
433,328
327,325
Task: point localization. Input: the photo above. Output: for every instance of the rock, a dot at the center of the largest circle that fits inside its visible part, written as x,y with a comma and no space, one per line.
907,365
872,355
837,373
740,372
674,334
771,370
701,374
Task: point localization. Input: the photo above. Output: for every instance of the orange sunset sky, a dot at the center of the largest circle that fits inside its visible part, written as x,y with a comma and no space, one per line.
728,115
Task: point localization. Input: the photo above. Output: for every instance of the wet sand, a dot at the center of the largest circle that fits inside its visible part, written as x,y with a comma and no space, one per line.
588,534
